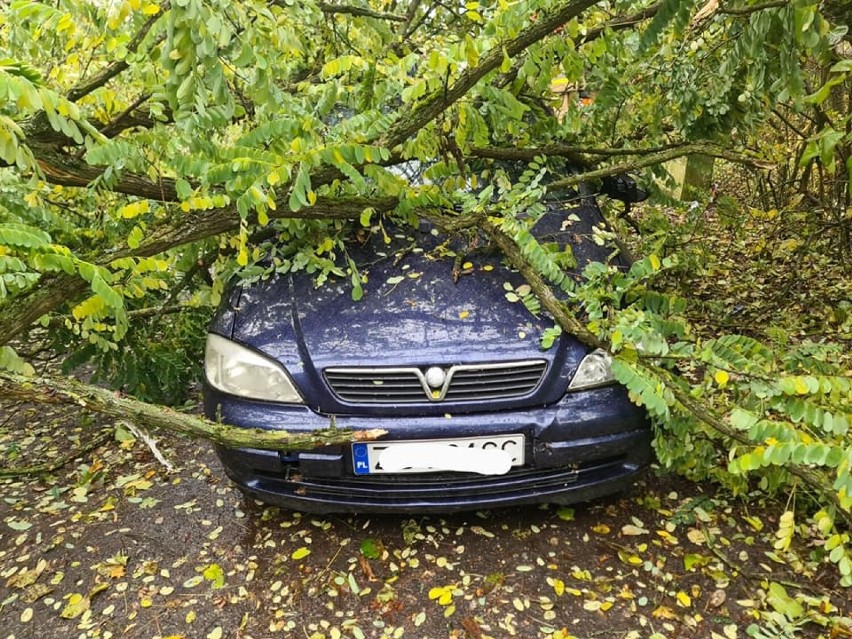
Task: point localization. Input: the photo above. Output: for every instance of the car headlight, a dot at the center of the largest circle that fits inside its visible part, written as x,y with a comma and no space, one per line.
240,371
594,370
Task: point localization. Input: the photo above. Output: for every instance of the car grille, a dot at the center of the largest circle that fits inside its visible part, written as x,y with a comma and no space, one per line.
459,383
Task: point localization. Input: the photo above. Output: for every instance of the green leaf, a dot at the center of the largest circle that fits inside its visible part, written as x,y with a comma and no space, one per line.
23,235
371,548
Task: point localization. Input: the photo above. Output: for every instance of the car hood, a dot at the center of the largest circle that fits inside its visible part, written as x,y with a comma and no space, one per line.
427,301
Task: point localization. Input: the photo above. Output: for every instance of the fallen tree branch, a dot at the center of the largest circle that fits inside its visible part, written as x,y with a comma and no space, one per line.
570,151
653,159
563,316
17,314
215,221
617,23
60,168
710,418
362,12
412,120
704,414
100,400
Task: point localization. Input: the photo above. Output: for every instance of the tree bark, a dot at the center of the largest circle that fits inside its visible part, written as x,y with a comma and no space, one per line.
67,391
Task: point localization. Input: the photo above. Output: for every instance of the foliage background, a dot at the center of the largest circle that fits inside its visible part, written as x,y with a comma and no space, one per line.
153,150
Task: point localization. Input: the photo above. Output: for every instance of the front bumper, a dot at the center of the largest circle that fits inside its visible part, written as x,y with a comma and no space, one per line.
589,444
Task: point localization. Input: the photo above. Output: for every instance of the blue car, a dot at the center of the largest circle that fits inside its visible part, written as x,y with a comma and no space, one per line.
477,413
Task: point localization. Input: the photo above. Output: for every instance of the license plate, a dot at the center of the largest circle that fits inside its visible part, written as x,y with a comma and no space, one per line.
484,455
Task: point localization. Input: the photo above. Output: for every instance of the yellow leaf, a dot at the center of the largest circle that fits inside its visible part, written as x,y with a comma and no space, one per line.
696,536
655,262
601,529
150,9
464,314
273,178
558,586
684,599
721,378
300,553
312,198
133,209
436,592
76,606
664,612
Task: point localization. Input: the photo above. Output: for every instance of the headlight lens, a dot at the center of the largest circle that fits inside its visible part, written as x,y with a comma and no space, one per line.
594,370
237,370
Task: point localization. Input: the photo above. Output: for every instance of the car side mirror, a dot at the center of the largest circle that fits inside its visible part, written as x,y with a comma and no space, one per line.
624,188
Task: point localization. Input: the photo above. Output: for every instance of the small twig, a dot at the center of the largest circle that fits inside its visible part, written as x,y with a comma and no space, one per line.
49,467
753,576
108,73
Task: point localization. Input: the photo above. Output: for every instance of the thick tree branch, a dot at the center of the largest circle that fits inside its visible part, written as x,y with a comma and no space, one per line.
17,314
106,74
572,152
106,402
64,170
363,12
710,418
527,155
661,157
411,120
215,221
542,290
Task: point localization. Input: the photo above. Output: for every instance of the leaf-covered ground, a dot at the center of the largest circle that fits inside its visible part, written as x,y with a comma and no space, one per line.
114,545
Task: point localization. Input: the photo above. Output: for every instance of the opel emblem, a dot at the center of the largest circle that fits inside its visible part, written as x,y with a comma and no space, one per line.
435,377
